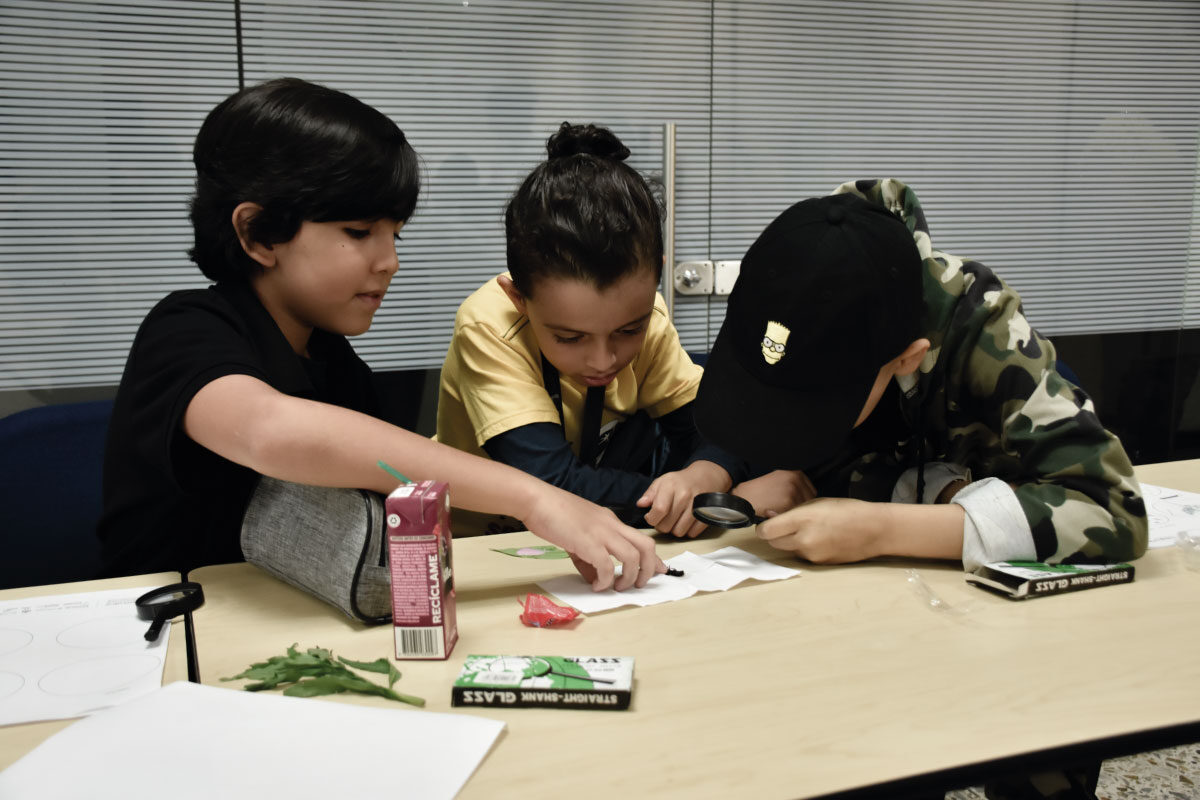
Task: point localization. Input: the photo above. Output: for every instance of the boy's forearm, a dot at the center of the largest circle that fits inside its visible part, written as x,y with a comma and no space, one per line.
540,450
320,444
920,531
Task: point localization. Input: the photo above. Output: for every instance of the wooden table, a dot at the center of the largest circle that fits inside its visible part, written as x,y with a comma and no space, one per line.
843,680
17,740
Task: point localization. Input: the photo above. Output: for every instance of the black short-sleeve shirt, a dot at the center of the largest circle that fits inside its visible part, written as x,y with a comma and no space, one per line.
170,504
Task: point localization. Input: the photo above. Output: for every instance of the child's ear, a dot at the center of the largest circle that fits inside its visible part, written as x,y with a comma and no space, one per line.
908,361
518,299
242,217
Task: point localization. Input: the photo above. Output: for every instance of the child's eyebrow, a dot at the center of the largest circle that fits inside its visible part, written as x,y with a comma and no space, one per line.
564,329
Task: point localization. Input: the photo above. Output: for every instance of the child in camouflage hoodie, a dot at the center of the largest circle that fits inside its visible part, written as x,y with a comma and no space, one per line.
889,371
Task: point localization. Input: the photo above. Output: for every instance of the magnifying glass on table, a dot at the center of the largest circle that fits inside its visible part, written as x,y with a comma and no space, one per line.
724,510
164,604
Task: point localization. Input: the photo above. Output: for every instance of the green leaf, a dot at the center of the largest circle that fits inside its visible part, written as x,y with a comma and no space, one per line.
315,687
316,672
383,666
380,665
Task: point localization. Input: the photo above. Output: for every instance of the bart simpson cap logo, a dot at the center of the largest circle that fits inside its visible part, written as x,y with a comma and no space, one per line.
774,343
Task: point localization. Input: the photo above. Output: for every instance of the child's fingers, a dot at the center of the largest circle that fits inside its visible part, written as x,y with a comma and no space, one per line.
596,568
659,509
637,565
670,513
775,528
651,564
586,570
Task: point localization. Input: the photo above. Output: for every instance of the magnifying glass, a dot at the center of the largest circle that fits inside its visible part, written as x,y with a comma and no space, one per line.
724,510
167,602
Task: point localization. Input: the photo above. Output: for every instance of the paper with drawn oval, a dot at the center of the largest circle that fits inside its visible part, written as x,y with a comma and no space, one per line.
65,656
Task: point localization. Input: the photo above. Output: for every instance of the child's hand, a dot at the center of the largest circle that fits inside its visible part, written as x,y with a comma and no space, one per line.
593,536
828,530
669,498
777,491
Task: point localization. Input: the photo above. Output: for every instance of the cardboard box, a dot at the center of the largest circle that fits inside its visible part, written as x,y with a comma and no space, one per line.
418,540
579,682
1018,580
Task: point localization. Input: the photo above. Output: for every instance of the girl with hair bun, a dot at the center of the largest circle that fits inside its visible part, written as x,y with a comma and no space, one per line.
568,367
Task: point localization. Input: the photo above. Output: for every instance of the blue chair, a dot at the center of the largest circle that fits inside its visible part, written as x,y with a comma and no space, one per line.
51,464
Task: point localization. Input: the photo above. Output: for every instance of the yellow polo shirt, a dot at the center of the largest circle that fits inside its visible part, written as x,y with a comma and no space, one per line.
492,377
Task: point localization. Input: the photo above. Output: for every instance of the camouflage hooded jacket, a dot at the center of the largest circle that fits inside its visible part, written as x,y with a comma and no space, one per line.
987,397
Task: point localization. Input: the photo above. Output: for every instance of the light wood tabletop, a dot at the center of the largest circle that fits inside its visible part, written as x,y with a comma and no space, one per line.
842,678
17,740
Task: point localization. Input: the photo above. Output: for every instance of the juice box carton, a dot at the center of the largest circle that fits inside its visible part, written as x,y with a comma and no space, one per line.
418,540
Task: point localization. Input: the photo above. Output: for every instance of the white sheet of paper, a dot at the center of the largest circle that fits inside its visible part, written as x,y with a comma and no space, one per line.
711,572
1170,512
68,655
185,740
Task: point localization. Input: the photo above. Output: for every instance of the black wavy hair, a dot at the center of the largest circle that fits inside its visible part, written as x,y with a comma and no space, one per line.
582,214
303,152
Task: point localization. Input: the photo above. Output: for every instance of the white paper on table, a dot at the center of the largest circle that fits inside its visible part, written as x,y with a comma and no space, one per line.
711,572
185,740
68,655
1170,512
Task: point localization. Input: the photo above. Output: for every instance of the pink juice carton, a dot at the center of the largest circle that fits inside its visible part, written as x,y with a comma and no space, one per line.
418,540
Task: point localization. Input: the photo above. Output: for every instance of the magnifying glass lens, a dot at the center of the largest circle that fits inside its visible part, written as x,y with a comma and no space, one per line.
724,510
721,515
164,598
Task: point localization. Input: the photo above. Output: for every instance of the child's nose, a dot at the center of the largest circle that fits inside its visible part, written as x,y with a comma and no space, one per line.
387,260
602,356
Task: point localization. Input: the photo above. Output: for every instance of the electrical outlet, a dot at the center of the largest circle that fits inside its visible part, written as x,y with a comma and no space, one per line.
726,274
694,277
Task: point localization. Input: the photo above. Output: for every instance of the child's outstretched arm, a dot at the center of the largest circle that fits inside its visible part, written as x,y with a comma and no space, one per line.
838,530
248,422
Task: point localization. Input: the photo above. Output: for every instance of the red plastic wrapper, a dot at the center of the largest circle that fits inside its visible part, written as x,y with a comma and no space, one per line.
542,612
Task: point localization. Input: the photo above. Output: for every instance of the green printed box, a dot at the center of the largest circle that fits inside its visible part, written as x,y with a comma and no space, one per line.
579,682
1019,580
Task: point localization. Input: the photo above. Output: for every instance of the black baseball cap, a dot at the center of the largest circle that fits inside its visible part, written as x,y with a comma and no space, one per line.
828,294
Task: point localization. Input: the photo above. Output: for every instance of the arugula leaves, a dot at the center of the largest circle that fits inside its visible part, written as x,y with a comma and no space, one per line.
315,672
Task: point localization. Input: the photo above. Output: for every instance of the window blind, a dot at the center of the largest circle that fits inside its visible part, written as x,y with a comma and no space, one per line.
1056,142
100,104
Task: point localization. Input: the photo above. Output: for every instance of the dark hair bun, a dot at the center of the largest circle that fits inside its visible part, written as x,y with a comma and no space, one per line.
591,139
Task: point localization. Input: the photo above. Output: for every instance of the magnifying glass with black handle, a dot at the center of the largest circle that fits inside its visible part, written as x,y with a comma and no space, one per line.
718,509
162,605
724,510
